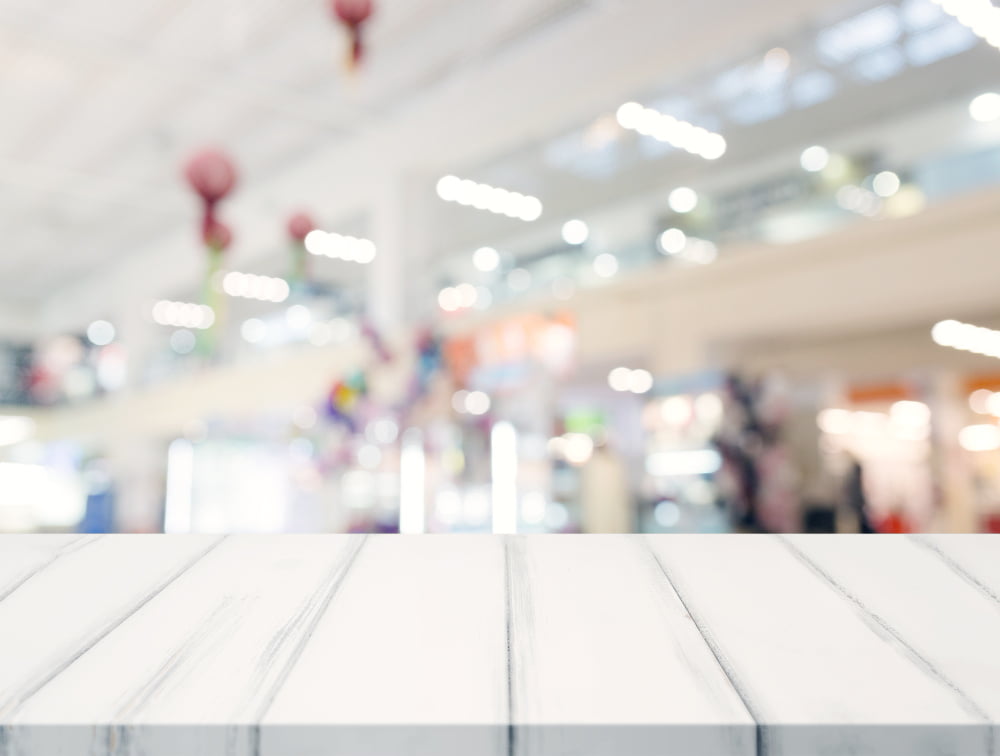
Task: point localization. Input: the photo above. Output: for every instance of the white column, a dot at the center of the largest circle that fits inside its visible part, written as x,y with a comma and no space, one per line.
138,469
137,462
399,229
137,335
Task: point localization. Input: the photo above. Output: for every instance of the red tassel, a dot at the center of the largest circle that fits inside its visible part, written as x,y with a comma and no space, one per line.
353,14
357,49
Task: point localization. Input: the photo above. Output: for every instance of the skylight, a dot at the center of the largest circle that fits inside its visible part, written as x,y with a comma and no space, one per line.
870,30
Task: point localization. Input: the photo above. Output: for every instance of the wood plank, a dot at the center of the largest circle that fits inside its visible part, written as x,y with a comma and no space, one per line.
208,654
63,610
813,672
606,659
410,659
22,556
909,593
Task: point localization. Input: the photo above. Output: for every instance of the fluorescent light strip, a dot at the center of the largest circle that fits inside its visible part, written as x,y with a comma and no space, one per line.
967,337
251,286
340,247
665,128
183,314
485,197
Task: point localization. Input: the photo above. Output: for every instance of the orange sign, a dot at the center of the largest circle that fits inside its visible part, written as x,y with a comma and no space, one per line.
878,393
549,339
989,381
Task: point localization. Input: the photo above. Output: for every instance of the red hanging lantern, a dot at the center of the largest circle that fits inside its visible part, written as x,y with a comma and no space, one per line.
211,174
299,226
353,14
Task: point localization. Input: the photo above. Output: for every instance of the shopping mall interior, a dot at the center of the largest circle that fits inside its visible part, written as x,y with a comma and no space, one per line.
430,266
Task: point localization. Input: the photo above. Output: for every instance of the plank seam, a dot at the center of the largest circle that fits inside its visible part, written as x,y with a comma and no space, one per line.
761,747
335,580
887,633
509,634
518,613
69,548
957,568
16,701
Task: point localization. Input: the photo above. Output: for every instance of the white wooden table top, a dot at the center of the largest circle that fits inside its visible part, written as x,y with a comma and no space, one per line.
574,645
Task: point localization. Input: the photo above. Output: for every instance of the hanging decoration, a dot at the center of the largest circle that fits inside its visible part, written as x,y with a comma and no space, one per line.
217,236
299,226
428,364
429,359
375,341
348,397
345,403
212,175
353,15
345,399
350,403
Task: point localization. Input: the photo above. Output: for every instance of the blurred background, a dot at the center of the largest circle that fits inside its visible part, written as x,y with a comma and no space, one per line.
469,266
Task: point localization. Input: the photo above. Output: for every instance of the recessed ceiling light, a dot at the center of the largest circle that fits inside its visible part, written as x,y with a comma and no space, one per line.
814,159
985,107
575,232
683,199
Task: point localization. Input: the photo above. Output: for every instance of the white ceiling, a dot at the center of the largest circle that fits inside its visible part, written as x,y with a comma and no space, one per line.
102,100
576,176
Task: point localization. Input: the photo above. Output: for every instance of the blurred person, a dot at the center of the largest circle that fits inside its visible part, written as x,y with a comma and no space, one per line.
822,501
761,474
779,508
740,442
740,480
855,495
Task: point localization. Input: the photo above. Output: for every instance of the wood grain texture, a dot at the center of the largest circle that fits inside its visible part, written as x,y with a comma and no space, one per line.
973,558
416,638
818,675
499,646
606,659
213,648
927,611
59,614
24,556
